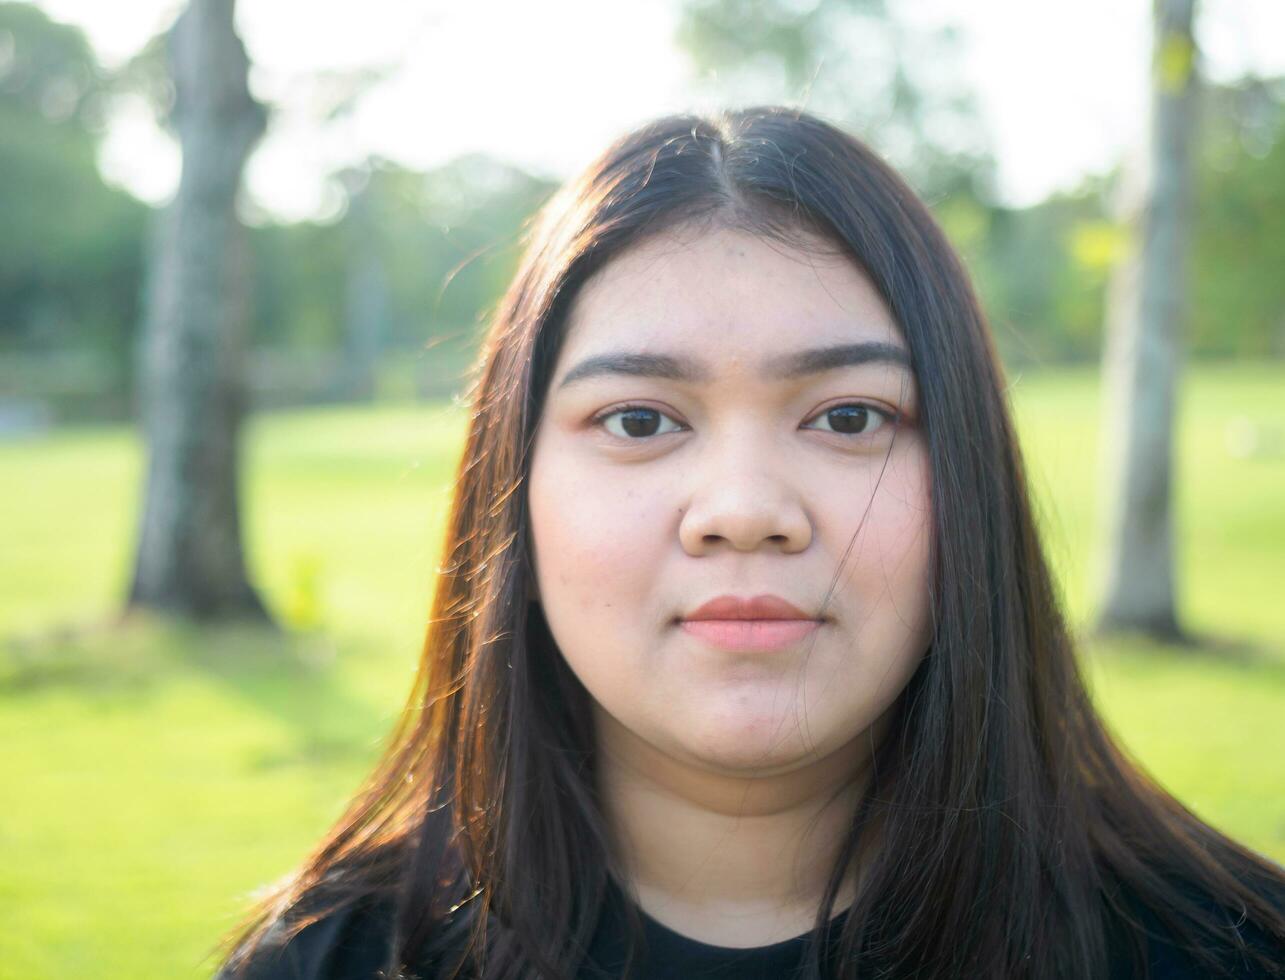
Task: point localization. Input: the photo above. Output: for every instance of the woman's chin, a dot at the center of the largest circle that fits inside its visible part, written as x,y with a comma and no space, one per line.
742,738
756,745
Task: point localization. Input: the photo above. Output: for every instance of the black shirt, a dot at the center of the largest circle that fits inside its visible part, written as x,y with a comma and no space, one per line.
669,955
351,944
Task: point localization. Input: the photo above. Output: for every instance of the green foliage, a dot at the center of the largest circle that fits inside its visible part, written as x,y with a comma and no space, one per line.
298,286
70,247
1238,301
410,266
305,601
1043,271
817,53
47,69
446,240
449,238
1040,273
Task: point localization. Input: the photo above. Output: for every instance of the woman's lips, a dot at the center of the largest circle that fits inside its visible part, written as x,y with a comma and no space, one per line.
749,634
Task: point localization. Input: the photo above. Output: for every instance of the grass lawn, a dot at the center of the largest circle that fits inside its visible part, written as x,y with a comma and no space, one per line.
158,775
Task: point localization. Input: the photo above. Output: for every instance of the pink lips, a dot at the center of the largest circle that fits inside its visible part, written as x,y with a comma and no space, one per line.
764,622
750,634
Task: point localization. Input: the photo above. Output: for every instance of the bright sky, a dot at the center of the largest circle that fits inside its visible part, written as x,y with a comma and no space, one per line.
547,85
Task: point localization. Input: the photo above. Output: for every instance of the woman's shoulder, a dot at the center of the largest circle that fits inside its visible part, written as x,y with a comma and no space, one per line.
347,943
352,943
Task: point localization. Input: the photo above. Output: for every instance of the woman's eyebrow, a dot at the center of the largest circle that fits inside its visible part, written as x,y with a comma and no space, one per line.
779,367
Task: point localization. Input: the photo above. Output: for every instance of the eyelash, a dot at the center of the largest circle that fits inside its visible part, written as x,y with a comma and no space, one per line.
889,418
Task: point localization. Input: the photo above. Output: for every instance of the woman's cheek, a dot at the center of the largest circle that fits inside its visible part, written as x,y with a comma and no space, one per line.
898,575
600,550
599,537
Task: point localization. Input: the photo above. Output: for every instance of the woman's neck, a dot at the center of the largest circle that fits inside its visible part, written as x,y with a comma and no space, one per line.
727,859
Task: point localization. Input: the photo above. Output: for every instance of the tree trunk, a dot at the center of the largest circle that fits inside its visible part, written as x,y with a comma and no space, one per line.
189,558
1146,321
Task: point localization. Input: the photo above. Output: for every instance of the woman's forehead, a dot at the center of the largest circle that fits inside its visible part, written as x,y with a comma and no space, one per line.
726,294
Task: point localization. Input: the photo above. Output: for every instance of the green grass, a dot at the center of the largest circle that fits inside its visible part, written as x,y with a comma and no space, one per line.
157,775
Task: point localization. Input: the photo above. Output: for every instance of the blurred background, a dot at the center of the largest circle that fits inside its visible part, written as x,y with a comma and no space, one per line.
246,256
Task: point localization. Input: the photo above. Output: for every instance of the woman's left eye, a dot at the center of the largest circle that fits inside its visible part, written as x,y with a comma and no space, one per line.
856,418
639,422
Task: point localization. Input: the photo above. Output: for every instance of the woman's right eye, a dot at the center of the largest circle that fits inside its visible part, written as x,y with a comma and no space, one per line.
636,422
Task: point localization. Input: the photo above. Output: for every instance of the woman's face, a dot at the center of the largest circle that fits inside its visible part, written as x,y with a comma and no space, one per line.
694,444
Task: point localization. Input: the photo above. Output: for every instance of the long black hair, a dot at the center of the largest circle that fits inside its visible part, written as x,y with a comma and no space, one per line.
1014,837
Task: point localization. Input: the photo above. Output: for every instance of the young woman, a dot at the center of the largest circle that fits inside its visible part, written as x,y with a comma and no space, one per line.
745,660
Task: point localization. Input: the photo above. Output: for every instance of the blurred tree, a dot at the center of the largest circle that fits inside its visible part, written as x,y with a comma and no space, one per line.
473,211
1238,293
189,558
819,52
1143,347
298,286
444,244
367,306
1043,270
71,247
440,245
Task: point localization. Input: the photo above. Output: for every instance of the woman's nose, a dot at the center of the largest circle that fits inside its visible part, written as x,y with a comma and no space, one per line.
744,500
